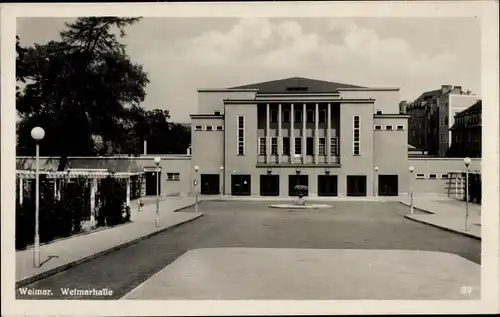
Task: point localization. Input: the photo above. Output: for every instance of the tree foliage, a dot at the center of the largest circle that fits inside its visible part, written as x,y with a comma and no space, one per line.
86,93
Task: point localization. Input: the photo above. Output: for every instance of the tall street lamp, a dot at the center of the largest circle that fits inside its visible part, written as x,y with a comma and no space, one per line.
467,162
411,169
196,168
374,180
222,181
37,133
157,162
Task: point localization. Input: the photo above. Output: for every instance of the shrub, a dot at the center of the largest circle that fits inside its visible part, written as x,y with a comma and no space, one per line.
113,209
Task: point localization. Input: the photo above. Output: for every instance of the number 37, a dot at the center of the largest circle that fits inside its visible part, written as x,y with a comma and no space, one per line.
465,290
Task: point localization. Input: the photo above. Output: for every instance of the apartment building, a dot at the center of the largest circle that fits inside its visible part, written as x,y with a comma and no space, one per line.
432,116
466,132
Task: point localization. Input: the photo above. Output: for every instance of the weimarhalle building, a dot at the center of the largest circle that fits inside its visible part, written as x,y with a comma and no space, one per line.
338,139
263,139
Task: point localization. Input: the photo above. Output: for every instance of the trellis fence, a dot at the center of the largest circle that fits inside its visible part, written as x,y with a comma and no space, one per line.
457,182
72,198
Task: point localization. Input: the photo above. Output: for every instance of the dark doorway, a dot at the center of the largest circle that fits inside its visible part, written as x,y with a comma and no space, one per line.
151,183
210,184
269,185
297,180
240,185
327,185
356,185
388,185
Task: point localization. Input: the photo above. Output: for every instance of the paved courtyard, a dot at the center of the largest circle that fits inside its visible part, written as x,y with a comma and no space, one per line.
349,225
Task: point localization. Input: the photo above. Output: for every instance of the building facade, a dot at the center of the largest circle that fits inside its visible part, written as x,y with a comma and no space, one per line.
466,132
432,116
263,139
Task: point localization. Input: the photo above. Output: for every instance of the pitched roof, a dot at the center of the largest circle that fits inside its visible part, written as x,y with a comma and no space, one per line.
475,108
429,95
296,85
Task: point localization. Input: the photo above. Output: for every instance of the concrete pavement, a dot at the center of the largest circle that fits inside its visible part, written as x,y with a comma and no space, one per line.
62,254
447,214
301,274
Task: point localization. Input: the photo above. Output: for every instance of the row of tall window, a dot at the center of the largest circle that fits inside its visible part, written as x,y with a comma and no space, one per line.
298,146
322,116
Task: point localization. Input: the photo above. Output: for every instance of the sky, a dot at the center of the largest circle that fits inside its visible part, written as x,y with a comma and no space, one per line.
182,55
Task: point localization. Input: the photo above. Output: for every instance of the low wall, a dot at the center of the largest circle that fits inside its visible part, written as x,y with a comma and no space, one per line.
169,164
439,167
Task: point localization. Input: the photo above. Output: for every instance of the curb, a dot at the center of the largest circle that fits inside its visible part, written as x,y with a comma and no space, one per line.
66,266
416,208
469,235
186,207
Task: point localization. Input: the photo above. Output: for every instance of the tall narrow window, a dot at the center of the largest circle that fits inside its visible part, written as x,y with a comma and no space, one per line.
309,146
310,115
274,146
356,136
298,146
241,135
262,146
286,146
274,116
298,116
322,146
333,147
322,115
286,115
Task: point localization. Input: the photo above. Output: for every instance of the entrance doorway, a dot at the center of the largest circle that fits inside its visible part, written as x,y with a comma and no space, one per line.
151,182
210,184
327,185
269,185
240,185
294,180
388,185
356,185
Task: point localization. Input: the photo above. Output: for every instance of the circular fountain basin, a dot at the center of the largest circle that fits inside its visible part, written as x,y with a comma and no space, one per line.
296,206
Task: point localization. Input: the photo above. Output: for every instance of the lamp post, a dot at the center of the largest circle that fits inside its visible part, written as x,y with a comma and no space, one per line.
411,169
37,133
467,162
157,162
196,168
222,181
374,180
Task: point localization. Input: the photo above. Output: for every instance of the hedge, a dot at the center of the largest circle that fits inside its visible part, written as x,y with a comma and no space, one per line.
65,217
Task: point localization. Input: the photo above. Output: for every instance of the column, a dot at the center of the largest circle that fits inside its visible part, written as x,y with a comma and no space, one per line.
55,188
128,191
93,189
292,135
316,136
304,143
280,140
21,190
328,133
268,141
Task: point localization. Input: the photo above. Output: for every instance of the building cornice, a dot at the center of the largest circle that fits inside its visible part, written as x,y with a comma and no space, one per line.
206,116
226,90
370,89
391,116
289,95
294,101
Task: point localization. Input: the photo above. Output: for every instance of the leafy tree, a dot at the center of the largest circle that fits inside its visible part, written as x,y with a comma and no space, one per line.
79,87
